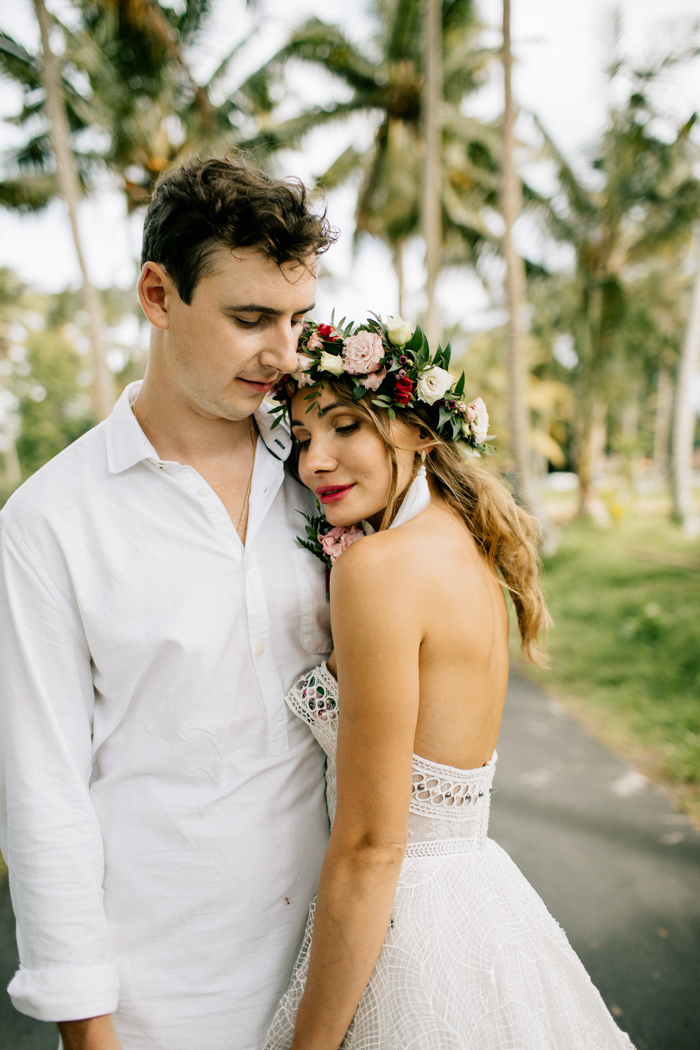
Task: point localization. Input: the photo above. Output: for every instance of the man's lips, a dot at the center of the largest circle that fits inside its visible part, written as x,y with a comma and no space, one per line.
333,493
259,386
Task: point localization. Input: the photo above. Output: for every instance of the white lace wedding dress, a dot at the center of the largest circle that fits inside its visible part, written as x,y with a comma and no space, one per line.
472,959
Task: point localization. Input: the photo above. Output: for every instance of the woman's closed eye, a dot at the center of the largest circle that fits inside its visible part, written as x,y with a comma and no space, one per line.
349,428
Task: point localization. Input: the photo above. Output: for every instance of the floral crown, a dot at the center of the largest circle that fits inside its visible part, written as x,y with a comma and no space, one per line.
392,362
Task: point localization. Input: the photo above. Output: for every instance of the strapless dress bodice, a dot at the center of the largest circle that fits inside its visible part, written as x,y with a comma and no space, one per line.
449,807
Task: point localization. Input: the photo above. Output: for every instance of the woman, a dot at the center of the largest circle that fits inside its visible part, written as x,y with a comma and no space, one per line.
424,934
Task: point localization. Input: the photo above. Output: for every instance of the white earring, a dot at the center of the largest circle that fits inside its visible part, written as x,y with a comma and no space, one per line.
422,456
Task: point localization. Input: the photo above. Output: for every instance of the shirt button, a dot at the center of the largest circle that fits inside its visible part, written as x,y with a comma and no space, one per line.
261,648
203,491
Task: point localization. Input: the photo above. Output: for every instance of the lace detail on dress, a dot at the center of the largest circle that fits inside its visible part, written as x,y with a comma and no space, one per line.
314,699
447,803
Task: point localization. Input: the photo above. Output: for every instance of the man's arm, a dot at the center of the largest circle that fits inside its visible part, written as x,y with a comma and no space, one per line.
49,833
94,1033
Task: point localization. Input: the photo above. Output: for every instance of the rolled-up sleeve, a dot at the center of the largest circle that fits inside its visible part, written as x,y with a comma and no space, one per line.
49,832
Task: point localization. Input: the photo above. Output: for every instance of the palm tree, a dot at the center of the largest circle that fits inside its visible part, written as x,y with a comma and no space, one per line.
385,78
432,120
69,185
511,198
124,74
644,206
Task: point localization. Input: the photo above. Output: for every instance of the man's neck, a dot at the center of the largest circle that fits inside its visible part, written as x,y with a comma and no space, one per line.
180,433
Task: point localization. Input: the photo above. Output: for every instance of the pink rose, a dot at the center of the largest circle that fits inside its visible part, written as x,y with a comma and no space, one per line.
374,381
315,342
338,540
471,413
362,353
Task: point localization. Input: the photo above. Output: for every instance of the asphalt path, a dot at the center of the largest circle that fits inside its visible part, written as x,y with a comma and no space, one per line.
616,864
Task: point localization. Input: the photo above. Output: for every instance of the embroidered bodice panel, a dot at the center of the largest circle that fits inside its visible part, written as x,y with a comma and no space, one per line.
449,807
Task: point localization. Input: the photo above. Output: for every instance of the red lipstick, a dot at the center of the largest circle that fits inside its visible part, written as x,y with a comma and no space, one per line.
333,493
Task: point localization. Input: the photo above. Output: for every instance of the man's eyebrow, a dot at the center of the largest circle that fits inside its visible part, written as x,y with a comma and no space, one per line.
259,308
321,413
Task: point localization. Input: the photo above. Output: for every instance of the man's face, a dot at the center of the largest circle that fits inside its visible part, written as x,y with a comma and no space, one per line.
225,350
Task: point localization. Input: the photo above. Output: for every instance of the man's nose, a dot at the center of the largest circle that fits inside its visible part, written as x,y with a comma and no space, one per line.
281,353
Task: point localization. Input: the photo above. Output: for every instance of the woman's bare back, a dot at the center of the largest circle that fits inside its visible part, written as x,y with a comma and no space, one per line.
463,656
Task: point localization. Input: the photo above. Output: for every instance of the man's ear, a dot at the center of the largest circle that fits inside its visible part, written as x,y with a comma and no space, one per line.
155,291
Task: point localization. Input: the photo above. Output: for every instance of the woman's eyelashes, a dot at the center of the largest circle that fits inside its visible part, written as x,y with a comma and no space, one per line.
348,428
304,440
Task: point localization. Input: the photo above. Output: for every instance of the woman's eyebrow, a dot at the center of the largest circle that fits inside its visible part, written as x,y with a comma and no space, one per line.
321,413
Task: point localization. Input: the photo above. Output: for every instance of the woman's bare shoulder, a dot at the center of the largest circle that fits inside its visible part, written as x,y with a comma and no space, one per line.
413,557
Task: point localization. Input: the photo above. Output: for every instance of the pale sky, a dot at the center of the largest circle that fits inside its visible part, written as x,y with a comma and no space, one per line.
560,46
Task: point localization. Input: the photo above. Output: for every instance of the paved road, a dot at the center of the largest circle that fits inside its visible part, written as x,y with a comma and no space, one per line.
616,865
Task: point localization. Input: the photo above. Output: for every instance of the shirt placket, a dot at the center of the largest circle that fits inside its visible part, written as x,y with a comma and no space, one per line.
267,480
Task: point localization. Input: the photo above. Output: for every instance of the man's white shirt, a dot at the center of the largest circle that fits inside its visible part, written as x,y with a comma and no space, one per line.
163,816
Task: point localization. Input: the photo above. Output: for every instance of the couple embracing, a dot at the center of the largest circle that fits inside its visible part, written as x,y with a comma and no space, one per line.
180,733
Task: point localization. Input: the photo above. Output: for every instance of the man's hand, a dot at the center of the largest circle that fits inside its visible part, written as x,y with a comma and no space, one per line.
92,1033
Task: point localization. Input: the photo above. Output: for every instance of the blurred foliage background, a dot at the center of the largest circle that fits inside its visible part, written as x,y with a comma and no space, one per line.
609,290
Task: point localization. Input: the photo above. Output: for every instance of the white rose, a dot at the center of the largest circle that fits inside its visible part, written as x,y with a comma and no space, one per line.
304,362
398,330
332,363
433,384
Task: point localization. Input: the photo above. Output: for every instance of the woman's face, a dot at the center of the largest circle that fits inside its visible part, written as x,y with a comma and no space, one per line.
344,461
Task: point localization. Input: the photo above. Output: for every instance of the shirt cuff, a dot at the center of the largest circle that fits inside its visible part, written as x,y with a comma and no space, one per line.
65,994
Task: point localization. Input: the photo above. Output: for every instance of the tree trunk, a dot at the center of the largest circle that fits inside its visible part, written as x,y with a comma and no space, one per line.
103,385
398,267
12,474
518,413
591,446
684,421
662,425
432,181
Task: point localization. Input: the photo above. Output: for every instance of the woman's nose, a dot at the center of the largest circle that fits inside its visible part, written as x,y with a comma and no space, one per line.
317,459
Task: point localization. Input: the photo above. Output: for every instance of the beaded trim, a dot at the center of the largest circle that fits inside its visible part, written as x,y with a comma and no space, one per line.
315,696
449,788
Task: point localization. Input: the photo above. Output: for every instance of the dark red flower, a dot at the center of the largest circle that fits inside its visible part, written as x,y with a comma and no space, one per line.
404,389
283,389
327,331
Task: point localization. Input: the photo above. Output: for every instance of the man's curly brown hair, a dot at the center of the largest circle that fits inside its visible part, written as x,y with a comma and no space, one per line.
228,202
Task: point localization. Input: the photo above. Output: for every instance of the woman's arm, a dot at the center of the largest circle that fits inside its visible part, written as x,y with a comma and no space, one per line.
377,638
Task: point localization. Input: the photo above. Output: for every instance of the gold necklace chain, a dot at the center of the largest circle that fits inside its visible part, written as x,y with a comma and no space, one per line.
250,479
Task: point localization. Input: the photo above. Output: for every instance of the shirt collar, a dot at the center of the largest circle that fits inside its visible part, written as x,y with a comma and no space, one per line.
127,444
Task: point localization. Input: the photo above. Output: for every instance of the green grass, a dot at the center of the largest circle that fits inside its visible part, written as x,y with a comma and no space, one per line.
625,645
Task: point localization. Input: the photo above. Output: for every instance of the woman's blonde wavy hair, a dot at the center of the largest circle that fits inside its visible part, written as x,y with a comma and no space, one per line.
507,535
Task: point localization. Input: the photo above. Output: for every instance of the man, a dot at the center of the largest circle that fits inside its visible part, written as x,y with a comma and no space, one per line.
164,818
